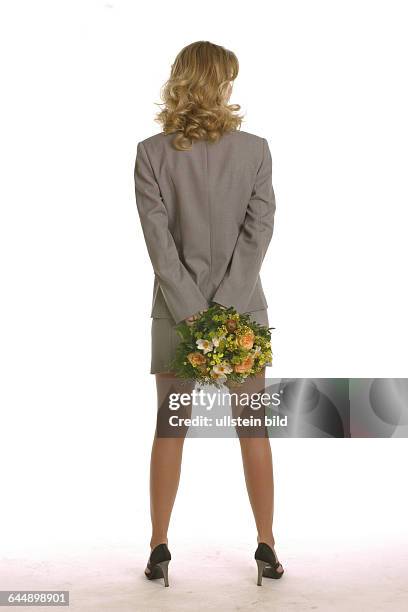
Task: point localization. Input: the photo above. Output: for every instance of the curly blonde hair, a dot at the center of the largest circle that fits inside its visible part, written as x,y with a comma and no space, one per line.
195,97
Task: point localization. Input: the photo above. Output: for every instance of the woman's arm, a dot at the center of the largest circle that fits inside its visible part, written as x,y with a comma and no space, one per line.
183,296
239,281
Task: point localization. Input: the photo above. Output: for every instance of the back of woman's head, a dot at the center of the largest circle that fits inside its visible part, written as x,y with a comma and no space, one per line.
195,97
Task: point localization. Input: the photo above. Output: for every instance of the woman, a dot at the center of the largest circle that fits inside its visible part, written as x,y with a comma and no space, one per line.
206,204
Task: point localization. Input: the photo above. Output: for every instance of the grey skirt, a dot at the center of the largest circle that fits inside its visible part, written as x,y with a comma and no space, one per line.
165,340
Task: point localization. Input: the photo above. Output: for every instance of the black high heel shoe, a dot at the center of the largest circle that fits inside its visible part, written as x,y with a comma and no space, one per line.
267,563
158,564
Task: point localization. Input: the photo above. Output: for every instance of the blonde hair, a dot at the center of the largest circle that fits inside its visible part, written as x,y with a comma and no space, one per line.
195,95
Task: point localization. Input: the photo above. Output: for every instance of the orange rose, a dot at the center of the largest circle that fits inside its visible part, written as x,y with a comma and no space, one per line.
246,340
231,325
244,366
196,359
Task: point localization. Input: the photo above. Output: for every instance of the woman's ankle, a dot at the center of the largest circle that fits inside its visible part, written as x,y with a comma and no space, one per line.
267,539
156,540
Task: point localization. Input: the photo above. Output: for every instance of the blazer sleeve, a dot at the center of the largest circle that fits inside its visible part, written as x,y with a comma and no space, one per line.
182,295
240,279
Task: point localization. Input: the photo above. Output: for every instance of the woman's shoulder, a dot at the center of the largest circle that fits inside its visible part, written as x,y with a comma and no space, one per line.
249,135
159,145
155,138
252,144
156,145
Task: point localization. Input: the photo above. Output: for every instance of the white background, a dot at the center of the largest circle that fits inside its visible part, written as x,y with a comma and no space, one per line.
324,83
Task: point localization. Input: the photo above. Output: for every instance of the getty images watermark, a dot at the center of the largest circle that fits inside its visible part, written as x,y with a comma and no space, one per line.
239,403
288,408
197,411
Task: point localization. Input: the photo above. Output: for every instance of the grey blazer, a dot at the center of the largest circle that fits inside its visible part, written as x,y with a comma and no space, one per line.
207,216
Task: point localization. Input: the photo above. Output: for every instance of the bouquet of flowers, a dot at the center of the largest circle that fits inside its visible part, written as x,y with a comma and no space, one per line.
221,345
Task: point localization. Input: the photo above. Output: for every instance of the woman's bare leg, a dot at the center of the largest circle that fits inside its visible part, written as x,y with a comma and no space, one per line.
165,464
257,463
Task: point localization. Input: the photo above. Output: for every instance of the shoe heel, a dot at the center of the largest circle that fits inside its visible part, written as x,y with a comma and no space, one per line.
261,566
164,566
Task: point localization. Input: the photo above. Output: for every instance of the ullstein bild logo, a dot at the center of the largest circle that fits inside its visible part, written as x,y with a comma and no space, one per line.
228,421
290,407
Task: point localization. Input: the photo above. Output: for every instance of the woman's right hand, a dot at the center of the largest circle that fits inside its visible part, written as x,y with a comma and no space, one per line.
194,317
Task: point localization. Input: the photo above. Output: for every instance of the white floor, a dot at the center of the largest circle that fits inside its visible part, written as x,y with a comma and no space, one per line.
340,527
110,577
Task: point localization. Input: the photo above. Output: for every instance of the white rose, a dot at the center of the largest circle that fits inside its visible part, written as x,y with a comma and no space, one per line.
204,345
222,368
